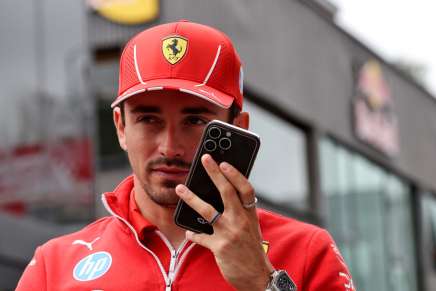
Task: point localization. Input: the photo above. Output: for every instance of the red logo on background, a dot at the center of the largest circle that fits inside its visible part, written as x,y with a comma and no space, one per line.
374,119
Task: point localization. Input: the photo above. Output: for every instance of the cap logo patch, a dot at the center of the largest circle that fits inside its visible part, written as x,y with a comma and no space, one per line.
174,48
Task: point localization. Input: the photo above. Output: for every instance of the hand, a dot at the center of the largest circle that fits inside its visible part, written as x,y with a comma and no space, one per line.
236,242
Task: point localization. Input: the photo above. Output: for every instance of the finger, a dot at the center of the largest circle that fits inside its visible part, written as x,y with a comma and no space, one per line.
196,203
240,182
226,189
199,238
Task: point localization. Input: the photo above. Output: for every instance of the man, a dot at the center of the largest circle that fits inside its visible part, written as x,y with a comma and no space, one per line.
174,79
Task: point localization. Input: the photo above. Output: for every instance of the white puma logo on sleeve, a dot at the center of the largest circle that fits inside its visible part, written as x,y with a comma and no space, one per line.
87,244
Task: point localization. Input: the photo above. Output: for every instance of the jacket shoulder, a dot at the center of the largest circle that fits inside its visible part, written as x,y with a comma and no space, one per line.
87,233
306,251
275,224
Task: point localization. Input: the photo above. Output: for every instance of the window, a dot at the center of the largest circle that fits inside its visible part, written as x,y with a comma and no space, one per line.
104,77
368,212
428,206
280,172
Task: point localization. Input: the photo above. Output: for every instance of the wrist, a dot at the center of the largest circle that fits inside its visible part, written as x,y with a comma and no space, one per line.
266,279
260,281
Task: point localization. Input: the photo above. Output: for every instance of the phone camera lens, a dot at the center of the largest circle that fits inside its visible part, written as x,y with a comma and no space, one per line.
209,145
225,143
214,132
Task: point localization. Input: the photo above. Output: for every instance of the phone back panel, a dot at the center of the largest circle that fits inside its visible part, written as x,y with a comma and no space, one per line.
223,142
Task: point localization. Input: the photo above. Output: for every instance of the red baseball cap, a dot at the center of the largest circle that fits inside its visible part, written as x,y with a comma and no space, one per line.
185,56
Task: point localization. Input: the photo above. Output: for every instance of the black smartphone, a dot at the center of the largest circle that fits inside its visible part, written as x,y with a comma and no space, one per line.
224,142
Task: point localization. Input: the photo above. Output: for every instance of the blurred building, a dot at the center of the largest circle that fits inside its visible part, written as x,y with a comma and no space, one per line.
348,140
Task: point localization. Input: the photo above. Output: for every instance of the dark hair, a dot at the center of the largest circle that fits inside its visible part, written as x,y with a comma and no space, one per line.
233,112
122,113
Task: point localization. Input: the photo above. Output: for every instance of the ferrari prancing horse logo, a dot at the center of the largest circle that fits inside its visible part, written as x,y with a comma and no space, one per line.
174,48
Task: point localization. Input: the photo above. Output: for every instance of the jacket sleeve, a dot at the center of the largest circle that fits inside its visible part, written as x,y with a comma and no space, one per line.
34,276
325,268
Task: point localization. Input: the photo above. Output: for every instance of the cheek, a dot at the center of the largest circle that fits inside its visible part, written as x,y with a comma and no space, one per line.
192,139
139,145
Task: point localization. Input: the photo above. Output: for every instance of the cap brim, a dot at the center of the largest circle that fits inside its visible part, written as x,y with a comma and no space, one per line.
200,90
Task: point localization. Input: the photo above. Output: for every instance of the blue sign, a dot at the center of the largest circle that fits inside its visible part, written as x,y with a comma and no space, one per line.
92,267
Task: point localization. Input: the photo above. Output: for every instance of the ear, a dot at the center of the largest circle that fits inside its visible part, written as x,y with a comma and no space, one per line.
120,127
242,120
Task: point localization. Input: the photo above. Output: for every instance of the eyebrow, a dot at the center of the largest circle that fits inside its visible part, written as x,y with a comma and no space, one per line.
186,110
146,109
198,110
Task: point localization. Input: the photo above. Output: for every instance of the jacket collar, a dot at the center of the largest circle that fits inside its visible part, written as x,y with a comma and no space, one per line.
118,200
122,203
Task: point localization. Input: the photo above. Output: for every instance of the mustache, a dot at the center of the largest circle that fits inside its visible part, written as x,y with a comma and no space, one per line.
169,163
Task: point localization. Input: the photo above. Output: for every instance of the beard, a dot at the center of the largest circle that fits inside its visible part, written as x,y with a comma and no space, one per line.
163,193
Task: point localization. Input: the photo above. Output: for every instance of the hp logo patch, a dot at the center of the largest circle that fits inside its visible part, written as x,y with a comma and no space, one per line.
92,267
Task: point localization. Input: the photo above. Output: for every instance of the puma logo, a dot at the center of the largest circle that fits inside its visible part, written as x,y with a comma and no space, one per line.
84,243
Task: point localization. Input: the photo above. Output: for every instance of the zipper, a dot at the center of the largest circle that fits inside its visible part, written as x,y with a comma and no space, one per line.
162,270
174,267
182,258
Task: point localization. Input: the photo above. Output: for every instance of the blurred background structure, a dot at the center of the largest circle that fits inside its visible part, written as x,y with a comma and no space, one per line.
348,138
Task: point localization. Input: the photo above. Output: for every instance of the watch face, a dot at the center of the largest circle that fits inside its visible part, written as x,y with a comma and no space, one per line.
284,283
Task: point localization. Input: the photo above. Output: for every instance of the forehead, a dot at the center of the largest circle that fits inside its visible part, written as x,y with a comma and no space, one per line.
170,100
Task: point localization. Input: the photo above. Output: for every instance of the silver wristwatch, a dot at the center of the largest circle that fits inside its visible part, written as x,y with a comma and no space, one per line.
280,281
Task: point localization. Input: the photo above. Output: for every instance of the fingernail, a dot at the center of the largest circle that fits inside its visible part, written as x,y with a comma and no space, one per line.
225,166
181,189
206,158
188,234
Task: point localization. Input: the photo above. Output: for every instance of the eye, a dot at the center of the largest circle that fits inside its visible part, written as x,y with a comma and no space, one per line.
148,119
196,120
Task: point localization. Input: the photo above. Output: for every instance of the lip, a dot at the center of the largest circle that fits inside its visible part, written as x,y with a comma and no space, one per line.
170,172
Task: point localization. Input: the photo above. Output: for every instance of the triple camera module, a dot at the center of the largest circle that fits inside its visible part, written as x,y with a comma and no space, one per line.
216,139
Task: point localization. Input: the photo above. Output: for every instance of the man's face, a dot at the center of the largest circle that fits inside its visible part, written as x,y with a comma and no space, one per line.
161,133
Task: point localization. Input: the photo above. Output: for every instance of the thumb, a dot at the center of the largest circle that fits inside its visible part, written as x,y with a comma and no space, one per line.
198,238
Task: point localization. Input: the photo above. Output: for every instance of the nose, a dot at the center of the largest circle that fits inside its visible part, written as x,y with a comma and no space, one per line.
170,145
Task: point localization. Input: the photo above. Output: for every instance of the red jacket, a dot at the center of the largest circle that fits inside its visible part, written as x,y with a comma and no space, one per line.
108,255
